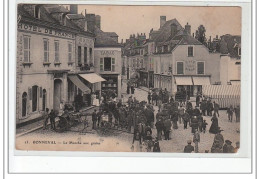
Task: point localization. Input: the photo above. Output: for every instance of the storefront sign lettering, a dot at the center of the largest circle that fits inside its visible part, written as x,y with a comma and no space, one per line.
48,31
190,65
107,52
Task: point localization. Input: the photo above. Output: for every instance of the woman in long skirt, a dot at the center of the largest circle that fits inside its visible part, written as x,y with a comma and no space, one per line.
214,125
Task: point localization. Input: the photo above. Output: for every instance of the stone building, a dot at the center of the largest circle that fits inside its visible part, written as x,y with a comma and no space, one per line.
47,40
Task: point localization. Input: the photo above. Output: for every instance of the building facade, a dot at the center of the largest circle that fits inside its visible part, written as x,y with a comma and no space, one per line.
47,40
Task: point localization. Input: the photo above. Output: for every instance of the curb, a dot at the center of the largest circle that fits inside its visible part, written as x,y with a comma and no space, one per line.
39,127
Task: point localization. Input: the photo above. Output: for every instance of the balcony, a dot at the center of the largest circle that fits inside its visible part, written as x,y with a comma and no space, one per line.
86,67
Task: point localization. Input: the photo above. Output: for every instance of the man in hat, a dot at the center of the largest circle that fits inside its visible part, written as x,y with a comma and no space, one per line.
149,97
188,148
228,148
216,108
196,111
237,113
218,142
230,111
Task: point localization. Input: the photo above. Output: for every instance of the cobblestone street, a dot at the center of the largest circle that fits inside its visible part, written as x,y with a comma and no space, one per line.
118,140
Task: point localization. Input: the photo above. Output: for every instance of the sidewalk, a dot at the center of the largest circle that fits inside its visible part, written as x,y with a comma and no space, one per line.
25,129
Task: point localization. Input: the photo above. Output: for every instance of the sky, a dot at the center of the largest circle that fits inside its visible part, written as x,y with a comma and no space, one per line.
126,20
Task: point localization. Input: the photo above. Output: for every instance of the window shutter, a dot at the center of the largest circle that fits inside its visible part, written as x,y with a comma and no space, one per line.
30,93
40,92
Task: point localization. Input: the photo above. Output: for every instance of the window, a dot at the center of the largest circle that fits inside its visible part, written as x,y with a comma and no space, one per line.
26,52
56,44
24,104
107,64
69,52
90,56
113,64
200,68
190,51
85,55
101,63
34,98
180,68
46,50
79,55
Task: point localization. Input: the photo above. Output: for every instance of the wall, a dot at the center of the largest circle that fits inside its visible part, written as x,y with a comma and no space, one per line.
201,53
229,70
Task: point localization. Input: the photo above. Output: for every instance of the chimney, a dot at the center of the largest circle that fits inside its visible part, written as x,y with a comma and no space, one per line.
173,29
85,12
73,9
188,28
162,20
98,21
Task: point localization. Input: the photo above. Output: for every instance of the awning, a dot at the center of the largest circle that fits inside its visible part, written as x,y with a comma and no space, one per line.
235,82
181,80
92,77
201,80
76,81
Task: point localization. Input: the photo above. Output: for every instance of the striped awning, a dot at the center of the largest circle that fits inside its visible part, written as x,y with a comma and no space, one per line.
76,81
224,95
92,77
201,80
181,80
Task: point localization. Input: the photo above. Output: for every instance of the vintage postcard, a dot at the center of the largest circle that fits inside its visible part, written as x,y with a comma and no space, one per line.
103,78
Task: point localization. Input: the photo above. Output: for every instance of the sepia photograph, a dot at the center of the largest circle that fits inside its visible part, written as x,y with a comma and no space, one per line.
121,78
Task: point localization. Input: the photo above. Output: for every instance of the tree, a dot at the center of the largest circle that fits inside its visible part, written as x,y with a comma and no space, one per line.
200,35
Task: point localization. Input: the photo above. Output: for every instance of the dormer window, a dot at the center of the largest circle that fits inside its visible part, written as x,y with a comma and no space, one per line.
37,12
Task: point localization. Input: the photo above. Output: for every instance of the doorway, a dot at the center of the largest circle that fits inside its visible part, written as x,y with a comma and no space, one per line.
24,104
34,98
57,94
44,95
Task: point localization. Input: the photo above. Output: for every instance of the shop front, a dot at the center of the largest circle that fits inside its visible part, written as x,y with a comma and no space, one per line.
143,80
111,85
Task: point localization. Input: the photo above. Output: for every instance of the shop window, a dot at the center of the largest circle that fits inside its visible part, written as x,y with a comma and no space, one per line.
24,104
200,68
69,52
79,55
190,52
56,46
180,68
85,55
46,50
26,52
34,98
101,63
44,99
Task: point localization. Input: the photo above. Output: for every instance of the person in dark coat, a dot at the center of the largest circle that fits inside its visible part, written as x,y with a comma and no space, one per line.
218,142
203,107
149,97
94,119
214,125
186,119
194,124
167,128
159,127
197,100
237,113
156,147
200,122
216,108
132,90
52,119
209,108
230,111
188,148
196,111
228,148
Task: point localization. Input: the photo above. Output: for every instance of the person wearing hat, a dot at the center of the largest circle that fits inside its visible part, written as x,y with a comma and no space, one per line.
216,108
156,146
228,148
149,97
214,125
218,142
237,113
196,140
188,148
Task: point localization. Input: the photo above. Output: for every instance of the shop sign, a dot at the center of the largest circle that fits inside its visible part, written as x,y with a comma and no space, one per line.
190,65
44,31
107,52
